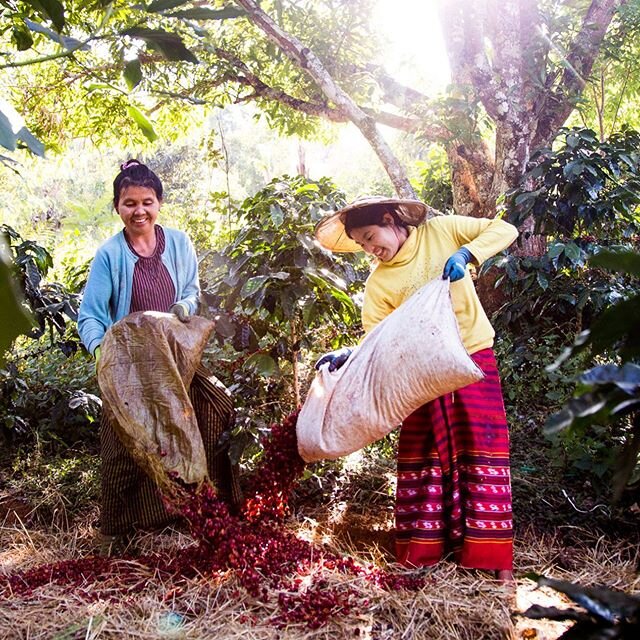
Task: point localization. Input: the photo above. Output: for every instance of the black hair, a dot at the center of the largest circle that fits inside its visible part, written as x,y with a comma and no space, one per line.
371,215
134,173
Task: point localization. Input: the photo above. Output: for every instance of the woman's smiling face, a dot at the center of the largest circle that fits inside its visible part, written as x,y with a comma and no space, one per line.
138,207
381,241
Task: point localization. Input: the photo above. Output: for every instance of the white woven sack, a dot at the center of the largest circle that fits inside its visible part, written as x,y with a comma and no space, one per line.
412,357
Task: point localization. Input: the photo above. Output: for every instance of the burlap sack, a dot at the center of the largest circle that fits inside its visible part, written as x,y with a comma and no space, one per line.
147,362
412,357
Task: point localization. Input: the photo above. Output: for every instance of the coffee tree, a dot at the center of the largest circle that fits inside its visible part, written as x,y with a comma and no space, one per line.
583,198
609,394
278,298
44,386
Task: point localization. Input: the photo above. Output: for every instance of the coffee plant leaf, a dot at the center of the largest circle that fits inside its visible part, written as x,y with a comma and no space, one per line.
264,364
16,320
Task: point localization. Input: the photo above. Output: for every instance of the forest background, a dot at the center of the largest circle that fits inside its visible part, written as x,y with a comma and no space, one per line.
260,118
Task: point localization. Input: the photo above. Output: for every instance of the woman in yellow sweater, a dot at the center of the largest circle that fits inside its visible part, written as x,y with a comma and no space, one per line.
453,492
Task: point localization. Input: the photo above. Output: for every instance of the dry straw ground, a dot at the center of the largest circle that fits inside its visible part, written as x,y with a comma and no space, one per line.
454,603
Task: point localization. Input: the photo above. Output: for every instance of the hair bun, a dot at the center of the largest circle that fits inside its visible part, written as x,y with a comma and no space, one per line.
130,163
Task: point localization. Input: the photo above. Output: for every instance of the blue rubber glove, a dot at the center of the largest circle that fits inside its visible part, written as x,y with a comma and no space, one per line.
180,311
456,266
335,358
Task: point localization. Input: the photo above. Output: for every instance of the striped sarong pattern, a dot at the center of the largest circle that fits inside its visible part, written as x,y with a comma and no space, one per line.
130,499
454,485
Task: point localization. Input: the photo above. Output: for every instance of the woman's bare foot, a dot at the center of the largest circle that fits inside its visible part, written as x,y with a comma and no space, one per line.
505,576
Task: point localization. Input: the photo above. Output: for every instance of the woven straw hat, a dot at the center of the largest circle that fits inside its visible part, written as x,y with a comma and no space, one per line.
330,231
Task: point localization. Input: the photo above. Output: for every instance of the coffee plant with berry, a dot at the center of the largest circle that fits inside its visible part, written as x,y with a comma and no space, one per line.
53,305
608,394
584,199
278,298
44,388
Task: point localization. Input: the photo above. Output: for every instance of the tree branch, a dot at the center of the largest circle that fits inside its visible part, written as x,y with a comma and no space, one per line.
394,92
70,50
463,23
262,90
578,64
307,60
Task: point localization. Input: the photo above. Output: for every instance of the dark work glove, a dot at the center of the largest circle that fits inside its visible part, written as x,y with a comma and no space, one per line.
335,358
456,266
180,311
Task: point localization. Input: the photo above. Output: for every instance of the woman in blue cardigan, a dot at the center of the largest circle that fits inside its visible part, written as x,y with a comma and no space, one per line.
147,267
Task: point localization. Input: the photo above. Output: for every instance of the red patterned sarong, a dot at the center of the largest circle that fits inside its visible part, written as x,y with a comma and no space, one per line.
454,489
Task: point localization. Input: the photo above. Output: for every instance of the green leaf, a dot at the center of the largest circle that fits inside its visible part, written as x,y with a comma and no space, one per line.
523,197
573,168
169,45
558,421
587,404
580,342
33,144
572,251
310,187
51,9
224,326
133,74
626,406
21,35
67,42
208,14
572,141
307,242
621,261
239,443
616,323
277,215
141,120
264,364
309,311
162,5
555,249
16,320
252,285
7,137
626,159
96,86
542,280
626,377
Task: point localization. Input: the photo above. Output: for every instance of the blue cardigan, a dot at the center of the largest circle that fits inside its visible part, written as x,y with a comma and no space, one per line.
107,296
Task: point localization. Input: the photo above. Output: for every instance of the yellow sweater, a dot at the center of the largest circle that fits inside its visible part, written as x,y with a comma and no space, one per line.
421,259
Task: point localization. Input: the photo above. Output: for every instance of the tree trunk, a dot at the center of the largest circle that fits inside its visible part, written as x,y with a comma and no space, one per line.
472,172
499,57
526,113
302,160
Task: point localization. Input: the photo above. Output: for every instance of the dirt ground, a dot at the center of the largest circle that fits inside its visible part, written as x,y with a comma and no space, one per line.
353,519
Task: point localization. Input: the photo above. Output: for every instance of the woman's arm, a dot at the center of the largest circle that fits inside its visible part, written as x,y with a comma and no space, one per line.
94,316
483,237
188,293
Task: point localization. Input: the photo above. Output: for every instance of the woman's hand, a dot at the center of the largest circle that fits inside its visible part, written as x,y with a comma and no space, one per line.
180,311
456,266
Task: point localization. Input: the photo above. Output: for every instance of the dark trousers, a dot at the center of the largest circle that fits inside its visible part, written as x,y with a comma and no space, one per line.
130,498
